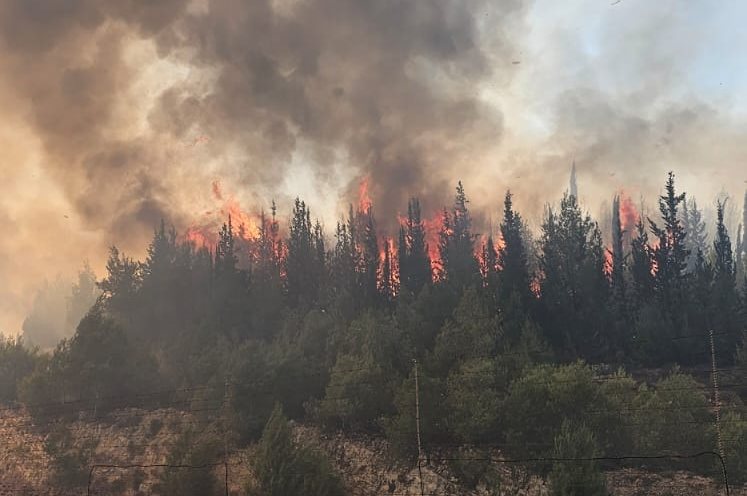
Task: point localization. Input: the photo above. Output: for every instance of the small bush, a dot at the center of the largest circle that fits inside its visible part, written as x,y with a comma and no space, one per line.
538,402
198,450
400,427
576,478
674,417
69,460
155,427
16,362
283,468
472,400
357,395
470,466
734,436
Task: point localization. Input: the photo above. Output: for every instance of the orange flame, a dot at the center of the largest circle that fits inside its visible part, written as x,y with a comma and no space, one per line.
387,248
205,233
629,215
608,262
535,286
201,238
433,227
364,199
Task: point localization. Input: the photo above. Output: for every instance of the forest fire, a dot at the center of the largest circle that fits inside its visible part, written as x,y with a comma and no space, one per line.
433,228
629,215
608,262
364,198
204,233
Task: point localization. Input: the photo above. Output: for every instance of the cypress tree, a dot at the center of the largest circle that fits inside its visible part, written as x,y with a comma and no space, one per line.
724,294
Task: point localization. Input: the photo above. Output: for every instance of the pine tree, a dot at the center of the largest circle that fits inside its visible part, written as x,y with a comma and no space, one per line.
368,268
573,188
724,260
489,267
414,262
403,260
695,232
388,279
283,468
226,260
741,249
303,267
269,253
618,257
320,272
230,292
344,267
724,295
670,255
121,285
573,286
459,266
641,267
619,304
83,296
266,291
161,253
512,256
581,477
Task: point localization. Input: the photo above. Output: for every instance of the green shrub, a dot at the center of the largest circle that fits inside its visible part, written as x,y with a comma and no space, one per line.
472,400
358,394
69,460
199,450
734,436
283,468
400,427
16,362
576,478
97,362
538,402
614,423
673,417
252,394
155,427
470,466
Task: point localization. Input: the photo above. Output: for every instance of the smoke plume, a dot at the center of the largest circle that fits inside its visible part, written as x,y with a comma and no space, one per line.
121,113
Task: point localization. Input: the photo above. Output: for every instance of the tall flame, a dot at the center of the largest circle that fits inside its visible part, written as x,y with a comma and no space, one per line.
628,213
433,227
364,198
608,262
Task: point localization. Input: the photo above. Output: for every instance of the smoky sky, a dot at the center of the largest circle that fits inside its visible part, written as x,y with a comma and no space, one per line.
118,113
339,75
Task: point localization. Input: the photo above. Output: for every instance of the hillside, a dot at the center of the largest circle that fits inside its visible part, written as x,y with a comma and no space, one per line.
140,437
550,358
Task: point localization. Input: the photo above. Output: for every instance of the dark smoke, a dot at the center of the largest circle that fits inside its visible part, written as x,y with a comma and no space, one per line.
373,82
